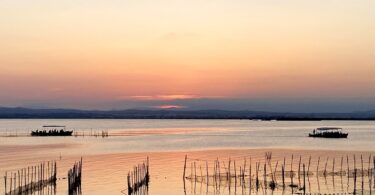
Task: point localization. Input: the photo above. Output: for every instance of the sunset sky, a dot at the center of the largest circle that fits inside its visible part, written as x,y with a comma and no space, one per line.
290,55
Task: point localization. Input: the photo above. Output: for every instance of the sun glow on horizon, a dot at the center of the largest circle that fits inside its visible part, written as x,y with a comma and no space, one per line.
166,107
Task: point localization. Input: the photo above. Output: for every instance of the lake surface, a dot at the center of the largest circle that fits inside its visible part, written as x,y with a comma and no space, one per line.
107,160
172,135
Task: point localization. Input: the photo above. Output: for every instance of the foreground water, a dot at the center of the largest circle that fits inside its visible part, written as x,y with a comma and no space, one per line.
107,160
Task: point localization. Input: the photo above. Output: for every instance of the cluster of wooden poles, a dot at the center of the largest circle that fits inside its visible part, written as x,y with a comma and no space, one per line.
74,178
103,133
31,179
267,173
139,178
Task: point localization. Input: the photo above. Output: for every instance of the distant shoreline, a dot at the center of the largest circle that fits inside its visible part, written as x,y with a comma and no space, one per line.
199,118
28,113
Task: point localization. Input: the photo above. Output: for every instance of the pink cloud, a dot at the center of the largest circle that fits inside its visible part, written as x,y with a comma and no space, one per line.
163,97
169,107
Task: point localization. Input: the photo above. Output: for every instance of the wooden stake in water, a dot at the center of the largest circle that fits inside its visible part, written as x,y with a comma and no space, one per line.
229,174
250,174
325,168
291,165
274,173
308,168
299,167
265,176
235,173
15,182
283,175
5,182
184,167
355,181
207,172
342,161
369,166
200,168
347,164
214,169
256,173
191,171
291,171
362,165
11,181
304,180
362,173
218,165
195,171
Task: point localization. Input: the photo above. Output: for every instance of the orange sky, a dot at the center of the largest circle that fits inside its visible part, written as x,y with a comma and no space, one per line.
114,50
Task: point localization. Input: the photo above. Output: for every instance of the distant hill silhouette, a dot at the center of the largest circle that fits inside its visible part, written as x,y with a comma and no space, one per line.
29,113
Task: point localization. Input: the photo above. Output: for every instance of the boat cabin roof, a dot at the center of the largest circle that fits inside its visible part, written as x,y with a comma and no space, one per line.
47,126
328,128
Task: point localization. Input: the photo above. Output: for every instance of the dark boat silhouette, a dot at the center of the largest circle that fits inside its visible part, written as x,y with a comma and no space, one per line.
53,130
328,132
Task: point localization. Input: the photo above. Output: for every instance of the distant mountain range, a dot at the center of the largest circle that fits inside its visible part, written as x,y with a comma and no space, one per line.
29,113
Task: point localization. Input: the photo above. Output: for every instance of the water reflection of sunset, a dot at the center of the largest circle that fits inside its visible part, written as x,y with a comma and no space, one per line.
107,173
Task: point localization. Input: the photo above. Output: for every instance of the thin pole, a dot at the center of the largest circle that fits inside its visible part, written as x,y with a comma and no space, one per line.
355,180
283,176
250,174
342,161
347,164
184,167
333,166
325,168
317,167
195,172
369,166
235,176
299,167
308,168
207,171
5,182
362,165
265,176
218,165
304,180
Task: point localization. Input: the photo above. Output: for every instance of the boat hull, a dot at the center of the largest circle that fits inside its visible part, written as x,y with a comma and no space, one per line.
330,135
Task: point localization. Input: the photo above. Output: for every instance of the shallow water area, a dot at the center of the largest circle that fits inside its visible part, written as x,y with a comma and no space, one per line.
107,160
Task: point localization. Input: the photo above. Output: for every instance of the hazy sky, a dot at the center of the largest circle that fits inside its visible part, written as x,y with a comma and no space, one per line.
194,54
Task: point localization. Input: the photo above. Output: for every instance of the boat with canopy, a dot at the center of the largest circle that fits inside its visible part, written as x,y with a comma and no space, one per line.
328,132
52,130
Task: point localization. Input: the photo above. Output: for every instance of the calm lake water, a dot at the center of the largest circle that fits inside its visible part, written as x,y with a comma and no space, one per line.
107,160
172,135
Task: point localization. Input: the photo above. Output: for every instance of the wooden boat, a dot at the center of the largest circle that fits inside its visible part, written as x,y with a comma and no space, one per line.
52,130
328,132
